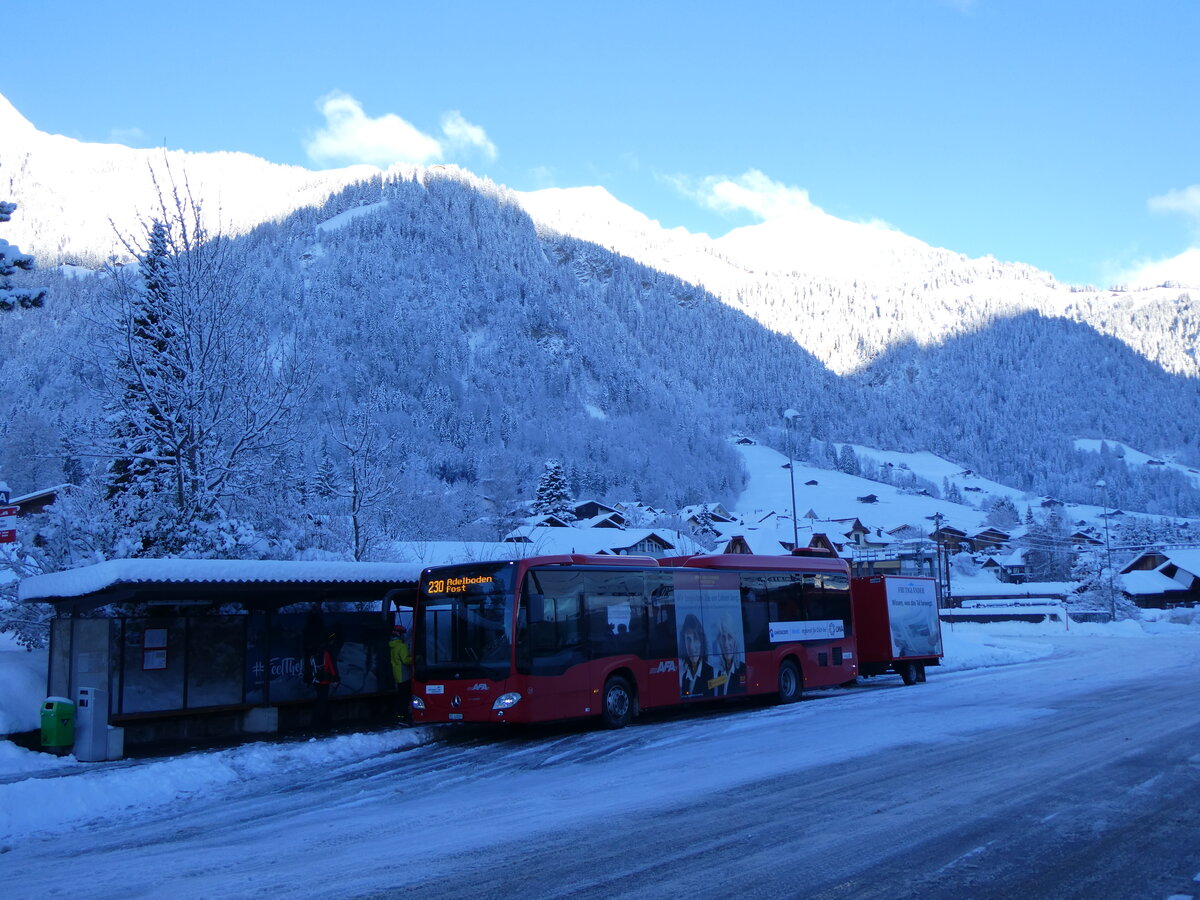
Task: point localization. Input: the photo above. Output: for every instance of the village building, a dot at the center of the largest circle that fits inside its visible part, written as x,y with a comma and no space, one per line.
1162,579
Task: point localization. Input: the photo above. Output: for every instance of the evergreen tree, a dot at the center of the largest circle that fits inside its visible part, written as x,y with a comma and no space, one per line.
553,494
848,461
950,491
12,259
326,481
1003,513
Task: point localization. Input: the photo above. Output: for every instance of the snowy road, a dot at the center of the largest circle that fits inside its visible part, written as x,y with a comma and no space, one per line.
1073,775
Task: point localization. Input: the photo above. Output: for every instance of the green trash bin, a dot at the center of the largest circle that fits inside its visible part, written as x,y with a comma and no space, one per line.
58,724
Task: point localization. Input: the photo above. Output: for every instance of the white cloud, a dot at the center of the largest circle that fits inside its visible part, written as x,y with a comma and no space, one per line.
462,134
351,136
1186,201
753,192
1183,268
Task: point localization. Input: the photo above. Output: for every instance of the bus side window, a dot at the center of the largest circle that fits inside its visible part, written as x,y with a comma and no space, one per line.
660,614
756,613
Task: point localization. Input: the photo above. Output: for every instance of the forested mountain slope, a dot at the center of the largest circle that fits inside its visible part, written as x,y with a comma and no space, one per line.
847,292
473,344
482,348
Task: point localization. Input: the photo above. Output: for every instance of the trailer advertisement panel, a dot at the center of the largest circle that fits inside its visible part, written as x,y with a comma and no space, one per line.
913,614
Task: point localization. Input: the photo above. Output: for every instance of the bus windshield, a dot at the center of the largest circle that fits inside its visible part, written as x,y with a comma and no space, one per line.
463,628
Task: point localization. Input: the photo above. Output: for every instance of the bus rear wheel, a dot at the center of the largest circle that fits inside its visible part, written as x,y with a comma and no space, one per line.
790,685
617,709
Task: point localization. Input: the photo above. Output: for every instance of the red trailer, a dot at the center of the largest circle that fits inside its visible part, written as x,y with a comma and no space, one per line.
898,626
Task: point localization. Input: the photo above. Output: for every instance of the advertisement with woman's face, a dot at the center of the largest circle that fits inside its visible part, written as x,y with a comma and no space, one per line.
711,643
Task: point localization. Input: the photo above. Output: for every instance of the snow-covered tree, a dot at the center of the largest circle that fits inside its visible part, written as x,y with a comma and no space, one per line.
327,483
847,461
12,259
1049,554
1003,513
950,491
553,495
368,481
194,399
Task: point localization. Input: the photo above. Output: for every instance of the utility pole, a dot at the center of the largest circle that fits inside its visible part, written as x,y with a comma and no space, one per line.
788,415
943,587
1112,595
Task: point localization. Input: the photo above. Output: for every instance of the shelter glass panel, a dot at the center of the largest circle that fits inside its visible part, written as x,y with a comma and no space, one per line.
216,658
154,665
90,655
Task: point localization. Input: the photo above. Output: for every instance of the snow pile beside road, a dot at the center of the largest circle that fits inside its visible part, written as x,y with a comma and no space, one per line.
22,687
977,646
49,801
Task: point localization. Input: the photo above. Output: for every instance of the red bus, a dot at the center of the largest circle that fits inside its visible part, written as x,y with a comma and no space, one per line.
564,637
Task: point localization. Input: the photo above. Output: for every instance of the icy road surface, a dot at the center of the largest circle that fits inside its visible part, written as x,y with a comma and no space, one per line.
1075,774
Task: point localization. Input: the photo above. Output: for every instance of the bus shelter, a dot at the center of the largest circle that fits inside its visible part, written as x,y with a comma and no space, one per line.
212,649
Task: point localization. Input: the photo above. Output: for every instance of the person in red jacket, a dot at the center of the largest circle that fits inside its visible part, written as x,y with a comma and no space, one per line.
324,676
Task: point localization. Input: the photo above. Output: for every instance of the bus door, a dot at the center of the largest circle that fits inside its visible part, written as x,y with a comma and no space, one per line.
553,646
662,663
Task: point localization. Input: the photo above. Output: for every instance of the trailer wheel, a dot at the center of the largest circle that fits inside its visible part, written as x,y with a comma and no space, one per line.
617,708
790,683
908,672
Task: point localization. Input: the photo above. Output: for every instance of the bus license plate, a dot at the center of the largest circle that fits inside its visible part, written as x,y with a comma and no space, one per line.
456,715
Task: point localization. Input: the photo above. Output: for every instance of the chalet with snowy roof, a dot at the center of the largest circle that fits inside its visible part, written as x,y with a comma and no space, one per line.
1009,568
37,501
1084,539
1162,579
548,520
950,537
989,539
716,513
855,531
602,541
604,520
595,511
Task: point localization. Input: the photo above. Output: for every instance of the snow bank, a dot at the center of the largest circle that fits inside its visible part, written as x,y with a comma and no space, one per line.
22,688
59,792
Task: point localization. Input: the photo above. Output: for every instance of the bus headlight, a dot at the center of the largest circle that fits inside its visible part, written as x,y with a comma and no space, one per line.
507,701
418,703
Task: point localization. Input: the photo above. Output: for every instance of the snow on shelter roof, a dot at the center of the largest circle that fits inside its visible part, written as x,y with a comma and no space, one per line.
116,572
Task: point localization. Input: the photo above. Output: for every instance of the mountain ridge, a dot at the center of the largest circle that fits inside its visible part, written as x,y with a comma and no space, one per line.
486,340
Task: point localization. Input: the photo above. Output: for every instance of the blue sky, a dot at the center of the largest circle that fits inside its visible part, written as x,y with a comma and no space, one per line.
1063,134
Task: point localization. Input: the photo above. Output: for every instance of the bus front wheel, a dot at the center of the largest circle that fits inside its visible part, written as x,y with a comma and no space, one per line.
789,681
618,703
908,672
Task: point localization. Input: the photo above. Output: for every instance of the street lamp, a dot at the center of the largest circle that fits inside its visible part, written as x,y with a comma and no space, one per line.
788,415
1112,596
942,560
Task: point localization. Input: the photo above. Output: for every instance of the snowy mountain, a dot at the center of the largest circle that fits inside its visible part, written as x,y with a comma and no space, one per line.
846,291
483,331
67,191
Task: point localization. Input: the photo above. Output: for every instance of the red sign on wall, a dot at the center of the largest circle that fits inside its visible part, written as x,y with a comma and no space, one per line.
8,531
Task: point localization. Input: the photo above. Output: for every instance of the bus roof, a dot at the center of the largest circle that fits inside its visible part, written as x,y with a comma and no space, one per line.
758,562
749,561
